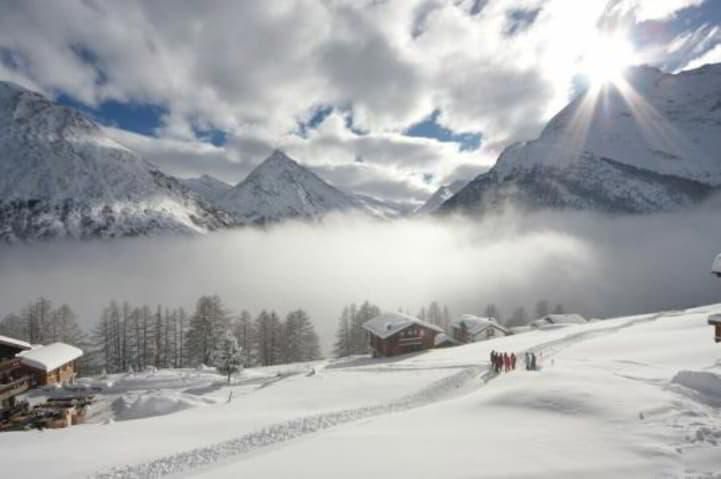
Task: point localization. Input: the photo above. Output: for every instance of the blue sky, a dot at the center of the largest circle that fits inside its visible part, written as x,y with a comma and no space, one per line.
416,89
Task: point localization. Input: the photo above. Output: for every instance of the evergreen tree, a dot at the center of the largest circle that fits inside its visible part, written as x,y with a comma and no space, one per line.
301,340
559,309
227,357
446,321
342,346
207,328
358,335
269,338
244,331
435,315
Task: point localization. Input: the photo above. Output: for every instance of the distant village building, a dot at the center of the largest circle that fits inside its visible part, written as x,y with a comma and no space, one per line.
396,333
469,329
715,321
444,341
52,364
558,320
716,266
9,347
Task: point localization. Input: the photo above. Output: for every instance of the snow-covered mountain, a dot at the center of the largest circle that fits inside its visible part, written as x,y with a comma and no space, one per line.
440,196
61,176
280,188
384,209
650,145
209,188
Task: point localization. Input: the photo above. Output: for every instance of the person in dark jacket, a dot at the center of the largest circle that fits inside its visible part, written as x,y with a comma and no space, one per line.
533,361
513,361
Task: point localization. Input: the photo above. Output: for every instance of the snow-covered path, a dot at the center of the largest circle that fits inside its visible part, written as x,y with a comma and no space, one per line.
469,379
628,397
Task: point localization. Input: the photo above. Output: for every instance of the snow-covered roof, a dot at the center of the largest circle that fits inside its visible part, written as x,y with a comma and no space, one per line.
387,324
560,319
716,266
477,324
15,343
50,357
443,338
714,319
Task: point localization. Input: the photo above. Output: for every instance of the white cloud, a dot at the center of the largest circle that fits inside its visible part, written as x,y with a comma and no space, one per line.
655,9
255,68
711,56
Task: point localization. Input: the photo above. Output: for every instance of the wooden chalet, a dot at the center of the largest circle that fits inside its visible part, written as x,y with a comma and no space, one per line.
396,333
10,347
469,329
51,364
715,321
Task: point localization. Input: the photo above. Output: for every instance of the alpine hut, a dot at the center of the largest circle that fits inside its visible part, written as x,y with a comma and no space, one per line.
558,320
469,329
51,364
397,333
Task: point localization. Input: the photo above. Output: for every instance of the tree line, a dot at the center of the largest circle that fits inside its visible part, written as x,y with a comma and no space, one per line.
127,337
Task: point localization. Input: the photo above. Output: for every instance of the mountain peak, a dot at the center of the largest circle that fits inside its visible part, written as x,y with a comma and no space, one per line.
645,150
281,188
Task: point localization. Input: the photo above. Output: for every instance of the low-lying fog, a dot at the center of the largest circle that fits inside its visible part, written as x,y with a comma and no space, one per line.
593,264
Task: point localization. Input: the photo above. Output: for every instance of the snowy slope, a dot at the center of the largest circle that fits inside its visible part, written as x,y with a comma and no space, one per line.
207,187
650,145
61,176
383,209
628,397
440,196
280,188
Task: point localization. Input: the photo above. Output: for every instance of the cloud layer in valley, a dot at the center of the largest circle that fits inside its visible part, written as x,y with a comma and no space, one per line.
596,265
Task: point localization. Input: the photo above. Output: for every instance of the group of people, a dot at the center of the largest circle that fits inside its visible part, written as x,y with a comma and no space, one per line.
504,362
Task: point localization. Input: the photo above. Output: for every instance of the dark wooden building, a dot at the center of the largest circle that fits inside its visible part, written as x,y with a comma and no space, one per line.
396,333
715,321
9,347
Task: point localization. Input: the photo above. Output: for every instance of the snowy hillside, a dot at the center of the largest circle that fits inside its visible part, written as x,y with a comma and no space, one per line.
650,145
383,209
440,196
207,187
628,397
279,188
61,176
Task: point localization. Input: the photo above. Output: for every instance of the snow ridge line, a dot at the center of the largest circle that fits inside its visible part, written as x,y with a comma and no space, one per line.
285,431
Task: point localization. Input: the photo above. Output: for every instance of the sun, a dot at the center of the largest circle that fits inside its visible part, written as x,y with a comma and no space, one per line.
606,59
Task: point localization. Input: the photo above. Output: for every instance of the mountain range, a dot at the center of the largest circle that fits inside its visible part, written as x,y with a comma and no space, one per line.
649,144
61,176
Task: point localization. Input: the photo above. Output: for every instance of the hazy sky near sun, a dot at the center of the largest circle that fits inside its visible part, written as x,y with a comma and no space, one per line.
592,264
388,98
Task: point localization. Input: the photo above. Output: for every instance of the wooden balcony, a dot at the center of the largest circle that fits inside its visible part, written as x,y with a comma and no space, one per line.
13,388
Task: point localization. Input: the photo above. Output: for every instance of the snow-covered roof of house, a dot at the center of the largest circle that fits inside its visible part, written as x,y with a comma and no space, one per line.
15,343
714,319
443,338
716,266
477,324
386,325
50,357
560,319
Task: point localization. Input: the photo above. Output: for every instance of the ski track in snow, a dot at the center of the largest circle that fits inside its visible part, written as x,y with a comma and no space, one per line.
446,388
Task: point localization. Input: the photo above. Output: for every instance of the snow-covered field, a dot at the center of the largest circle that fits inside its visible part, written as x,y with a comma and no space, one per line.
629,397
